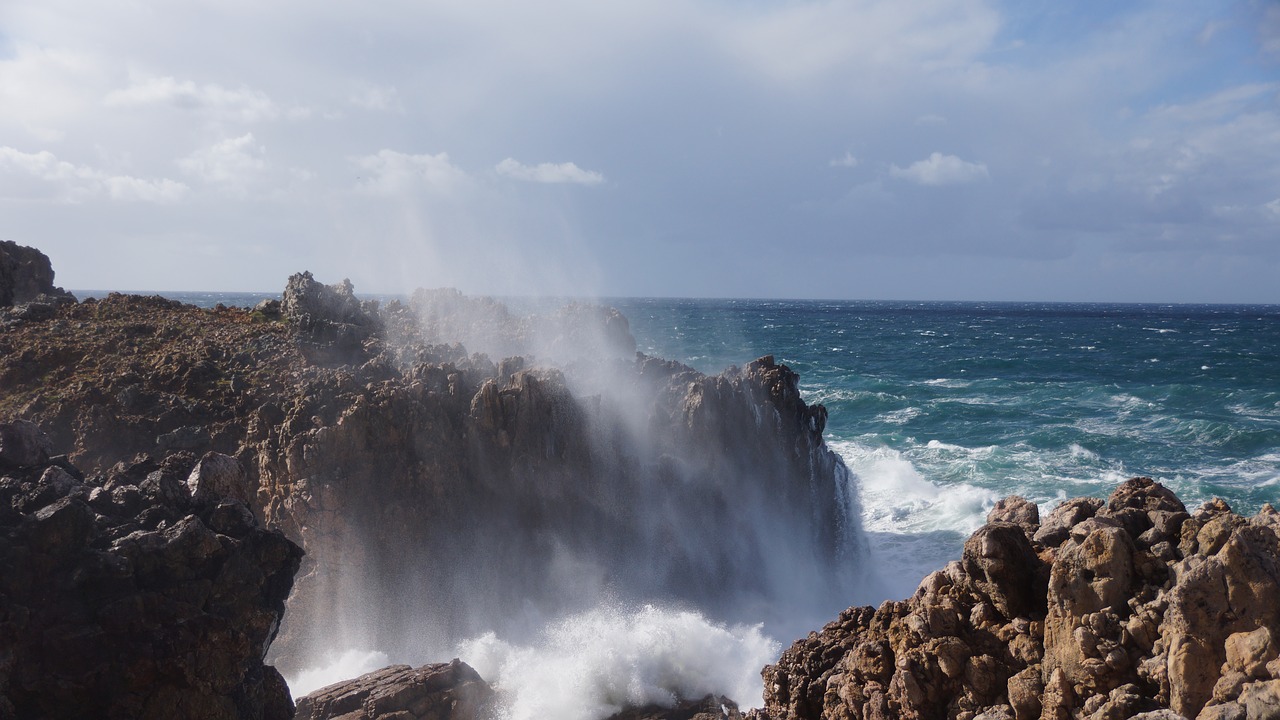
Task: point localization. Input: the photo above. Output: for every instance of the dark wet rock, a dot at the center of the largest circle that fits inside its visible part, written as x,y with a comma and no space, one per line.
710,707
103,608
1148,612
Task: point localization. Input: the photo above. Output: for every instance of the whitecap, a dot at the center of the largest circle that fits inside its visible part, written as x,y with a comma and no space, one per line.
594,664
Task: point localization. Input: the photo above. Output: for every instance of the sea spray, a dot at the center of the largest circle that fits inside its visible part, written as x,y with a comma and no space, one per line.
596,663
336,667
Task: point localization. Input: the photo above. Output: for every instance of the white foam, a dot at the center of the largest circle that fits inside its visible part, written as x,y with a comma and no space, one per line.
593,664
336,667
900,417
897,498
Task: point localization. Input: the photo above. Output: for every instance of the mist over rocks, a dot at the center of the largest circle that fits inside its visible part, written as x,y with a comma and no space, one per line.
441,492
122,595
1127,608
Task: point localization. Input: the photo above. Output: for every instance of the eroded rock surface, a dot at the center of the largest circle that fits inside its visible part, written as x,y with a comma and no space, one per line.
444,691
123,595
454,491
1133,608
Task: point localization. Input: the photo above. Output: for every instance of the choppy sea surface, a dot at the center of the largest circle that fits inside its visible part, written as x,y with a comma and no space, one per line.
943,408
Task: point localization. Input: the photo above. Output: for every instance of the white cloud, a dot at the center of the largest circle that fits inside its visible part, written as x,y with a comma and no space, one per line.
233,163
242,105
847,160
390,172
939,169
45,90
802,40
62,181
1274,207
565,172
377,98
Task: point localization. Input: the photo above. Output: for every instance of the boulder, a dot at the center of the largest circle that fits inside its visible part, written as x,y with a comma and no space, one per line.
23,444
134,603
445,691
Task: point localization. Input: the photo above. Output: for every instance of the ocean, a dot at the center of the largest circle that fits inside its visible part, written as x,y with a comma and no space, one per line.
942,408
939,409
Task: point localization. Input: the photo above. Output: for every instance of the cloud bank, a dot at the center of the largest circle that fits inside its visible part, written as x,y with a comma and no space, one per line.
912,149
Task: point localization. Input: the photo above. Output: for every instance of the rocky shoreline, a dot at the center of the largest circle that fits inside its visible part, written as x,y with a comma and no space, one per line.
145,571
1131,607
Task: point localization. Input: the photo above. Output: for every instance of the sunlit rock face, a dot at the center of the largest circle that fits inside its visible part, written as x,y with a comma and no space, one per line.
1101,610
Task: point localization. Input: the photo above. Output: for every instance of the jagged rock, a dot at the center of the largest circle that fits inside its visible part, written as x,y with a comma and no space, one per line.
332,323
445,691
123,603
362,428
1003,567
1017,510
25,275
1148,612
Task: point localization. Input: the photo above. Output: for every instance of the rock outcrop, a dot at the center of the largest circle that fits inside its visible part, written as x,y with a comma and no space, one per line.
148,591
444,691
438,491
1129,608
26,275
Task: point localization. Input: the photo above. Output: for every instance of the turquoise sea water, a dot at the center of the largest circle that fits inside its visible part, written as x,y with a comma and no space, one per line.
942,408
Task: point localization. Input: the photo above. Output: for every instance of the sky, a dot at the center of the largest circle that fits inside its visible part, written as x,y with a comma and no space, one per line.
861,149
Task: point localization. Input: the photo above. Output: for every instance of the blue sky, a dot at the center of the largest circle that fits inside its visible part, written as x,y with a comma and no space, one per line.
933,149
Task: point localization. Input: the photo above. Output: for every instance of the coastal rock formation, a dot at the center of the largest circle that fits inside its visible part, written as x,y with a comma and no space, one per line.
25,275
439,491
454,691
147,591
122,375
1129,608
444,691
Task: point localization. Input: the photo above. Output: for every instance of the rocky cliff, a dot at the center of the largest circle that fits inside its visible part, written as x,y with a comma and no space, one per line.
440,491
1131,607
146,591
456,495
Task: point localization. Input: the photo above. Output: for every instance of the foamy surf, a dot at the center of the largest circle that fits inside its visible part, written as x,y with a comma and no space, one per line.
596,663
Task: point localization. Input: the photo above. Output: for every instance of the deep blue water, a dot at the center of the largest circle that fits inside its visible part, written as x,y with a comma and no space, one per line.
942,408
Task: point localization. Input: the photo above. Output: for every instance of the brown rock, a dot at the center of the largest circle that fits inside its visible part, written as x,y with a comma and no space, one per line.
1002,565
445,691
1017,510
